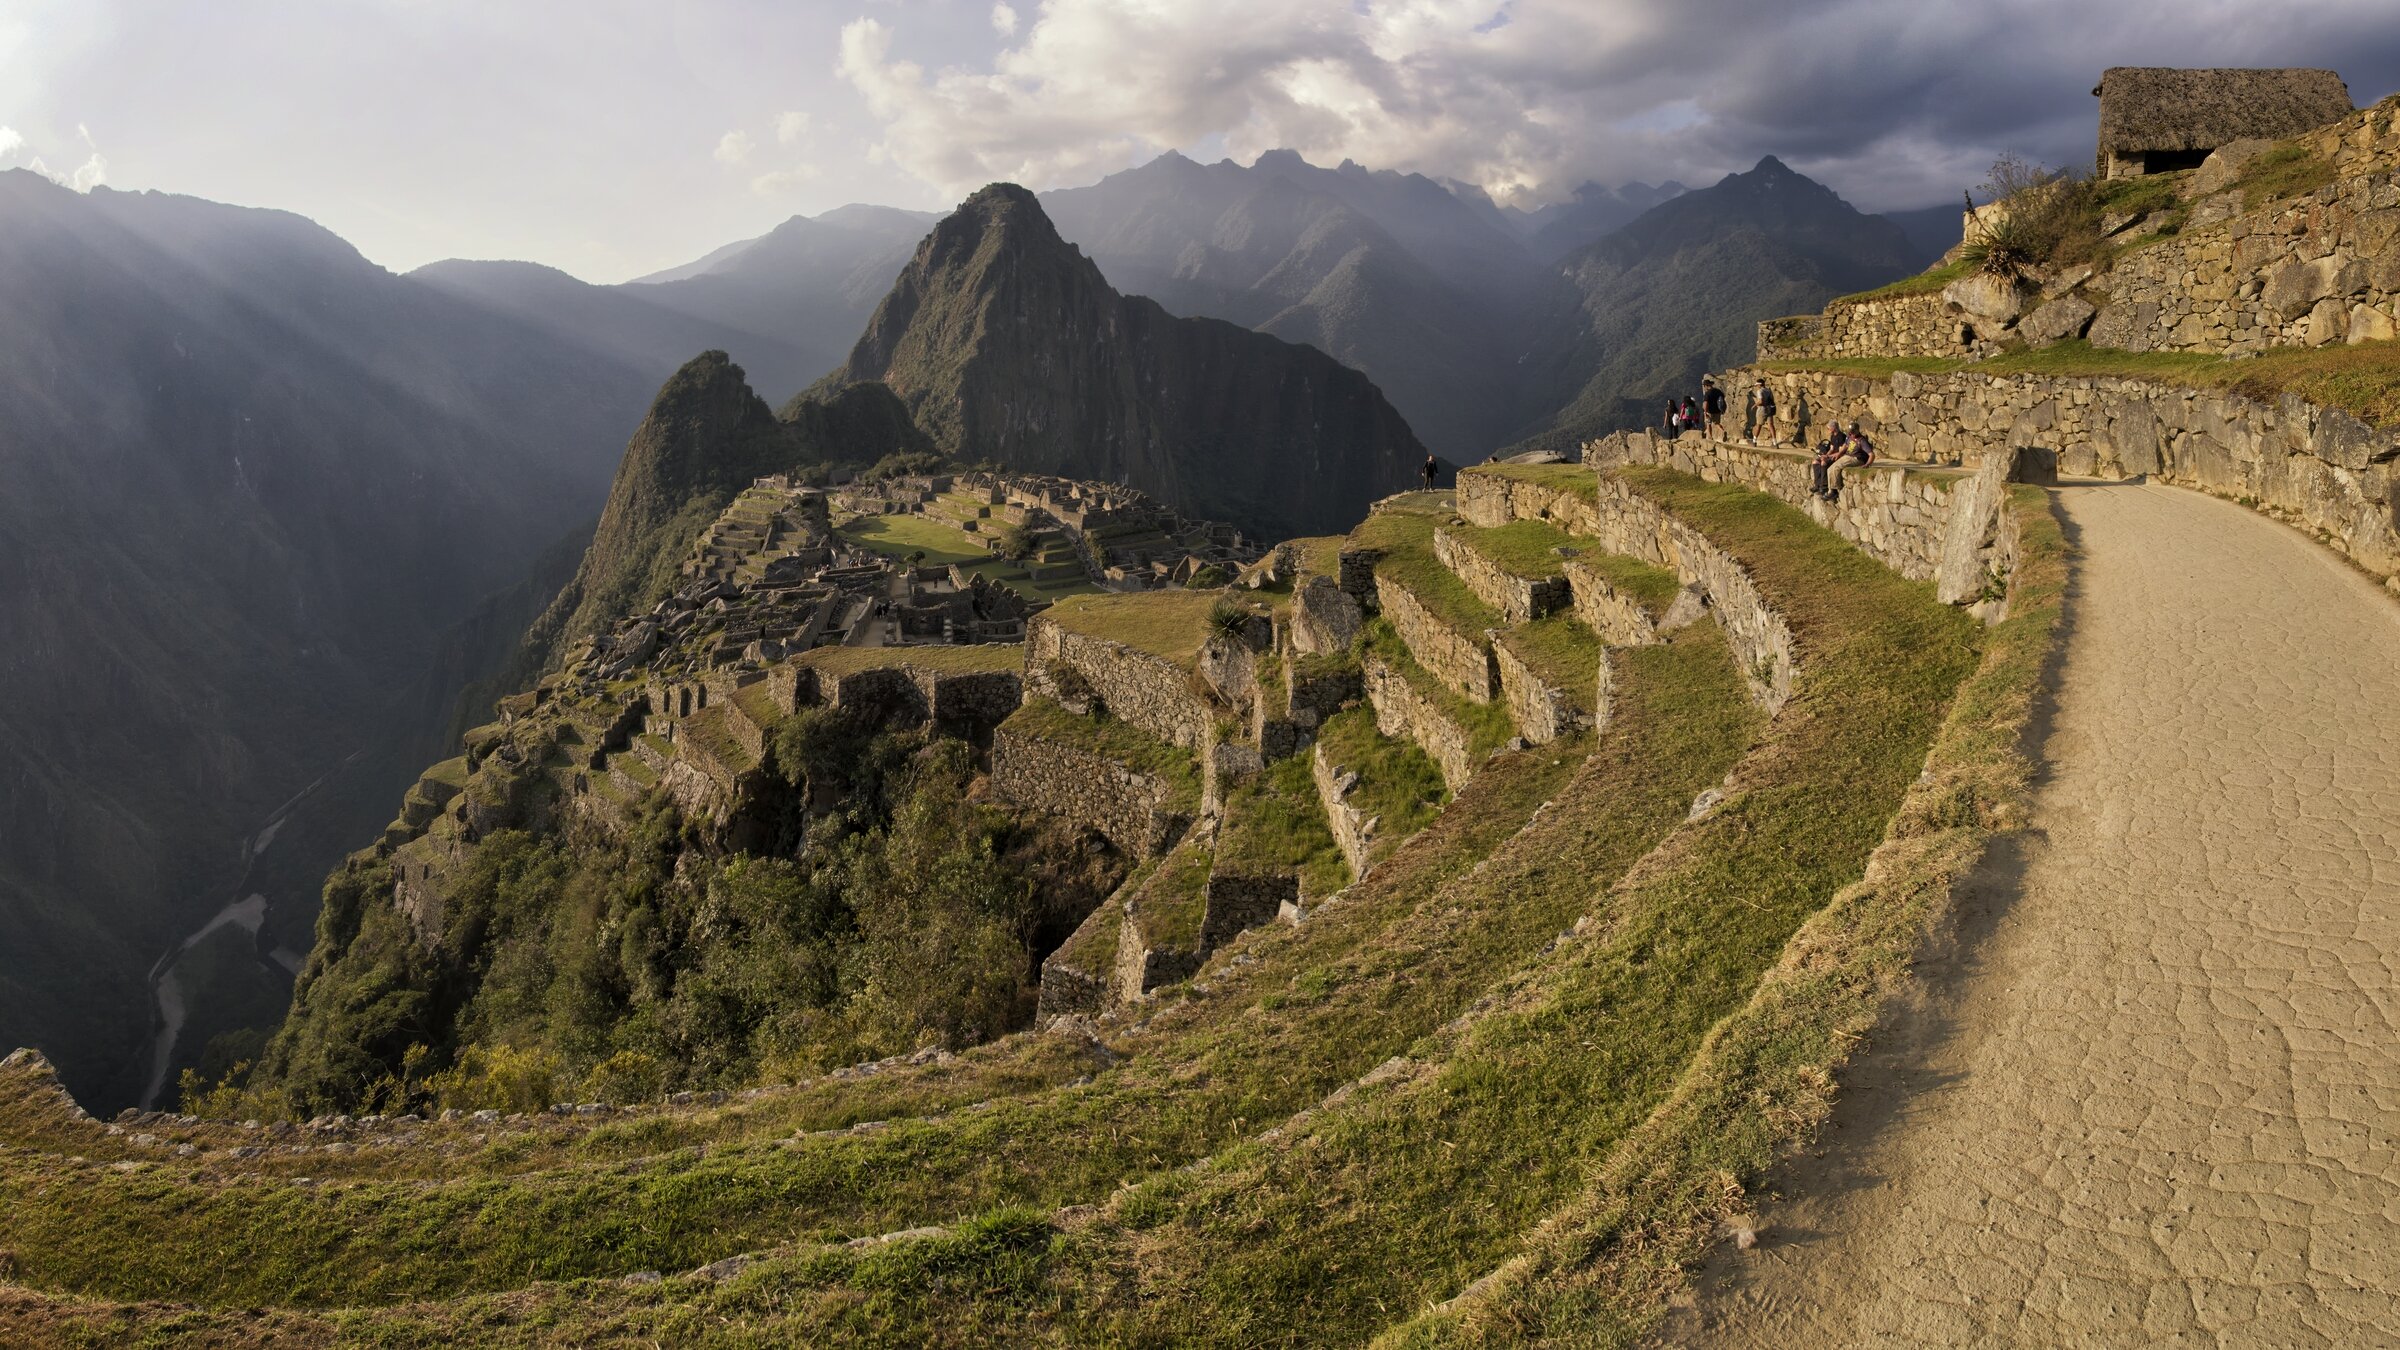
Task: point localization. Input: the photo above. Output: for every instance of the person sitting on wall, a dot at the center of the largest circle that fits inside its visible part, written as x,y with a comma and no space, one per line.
1860,453
1828,450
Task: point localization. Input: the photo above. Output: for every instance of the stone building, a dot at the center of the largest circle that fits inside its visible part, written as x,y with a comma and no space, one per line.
2156,119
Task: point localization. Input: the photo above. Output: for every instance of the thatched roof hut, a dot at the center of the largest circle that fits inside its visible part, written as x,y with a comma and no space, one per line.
2154,118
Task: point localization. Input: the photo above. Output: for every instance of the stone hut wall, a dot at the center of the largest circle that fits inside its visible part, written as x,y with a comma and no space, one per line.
1460,660
1401,712
2314,466
1128,808
1912,325
1144,690
1520,599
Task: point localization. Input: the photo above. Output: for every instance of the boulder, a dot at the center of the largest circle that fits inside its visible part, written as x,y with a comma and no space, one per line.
1325,618
2368,324
2297,287
2217,172
1965,570
1992,299
2066,317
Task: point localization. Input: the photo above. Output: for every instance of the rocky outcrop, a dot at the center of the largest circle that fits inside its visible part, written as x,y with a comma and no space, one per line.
1325,618
1007,344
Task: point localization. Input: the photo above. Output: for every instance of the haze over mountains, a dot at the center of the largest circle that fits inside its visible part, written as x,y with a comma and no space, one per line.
272,506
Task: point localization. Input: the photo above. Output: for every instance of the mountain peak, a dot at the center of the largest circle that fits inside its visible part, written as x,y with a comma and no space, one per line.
1773,167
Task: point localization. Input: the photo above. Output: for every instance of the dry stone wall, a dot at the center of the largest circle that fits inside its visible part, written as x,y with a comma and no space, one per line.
1130,809
1914,325
1519,599
1762,642
1460,660
1542,711
1492,500
1136,687
1619,620
2311,271
1402,713
2317,467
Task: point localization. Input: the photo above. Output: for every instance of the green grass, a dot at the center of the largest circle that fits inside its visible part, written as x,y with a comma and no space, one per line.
1168,624
1172,906
1112,739
2286,171
450,772
1560,650
1525,548
1398,784
899,536
1406,538
1607,1265
1573,478
1276,825
1487,724
1927,282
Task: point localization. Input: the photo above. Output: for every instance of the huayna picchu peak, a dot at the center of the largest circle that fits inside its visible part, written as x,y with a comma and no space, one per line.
1442,755
1007,344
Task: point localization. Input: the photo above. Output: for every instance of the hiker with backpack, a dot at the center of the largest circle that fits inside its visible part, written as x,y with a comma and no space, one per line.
1762,412
1712,405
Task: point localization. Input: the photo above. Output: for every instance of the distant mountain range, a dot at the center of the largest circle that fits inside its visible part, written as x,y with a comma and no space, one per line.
269,507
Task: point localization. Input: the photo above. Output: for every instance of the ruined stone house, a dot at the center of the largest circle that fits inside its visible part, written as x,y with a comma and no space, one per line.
2156,119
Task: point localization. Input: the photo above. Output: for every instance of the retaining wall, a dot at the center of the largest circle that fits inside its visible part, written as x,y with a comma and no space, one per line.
1913,325
1400,712
1460,660
1130,809
1519,599
1542,711
1147,691
2315,466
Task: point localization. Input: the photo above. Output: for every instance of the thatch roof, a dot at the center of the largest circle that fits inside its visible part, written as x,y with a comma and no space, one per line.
2148,108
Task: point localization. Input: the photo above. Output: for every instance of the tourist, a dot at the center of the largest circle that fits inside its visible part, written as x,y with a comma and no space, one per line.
1431,471
1831,449
1673,425
1712,404
1861,452
1691,413
1762,412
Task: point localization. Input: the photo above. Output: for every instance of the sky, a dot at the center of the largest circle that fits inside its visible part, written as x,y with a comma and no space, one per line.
611,138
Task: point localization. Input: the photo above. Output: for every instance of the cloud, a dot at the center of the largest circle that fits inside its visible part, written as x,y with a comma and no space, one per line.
733,147
790,127
1894,101
776,182
10,142
1004,19
91,173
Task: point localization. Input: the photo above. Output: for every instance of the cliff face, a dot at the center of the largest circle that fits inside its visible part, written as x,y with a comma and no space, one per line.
1007,344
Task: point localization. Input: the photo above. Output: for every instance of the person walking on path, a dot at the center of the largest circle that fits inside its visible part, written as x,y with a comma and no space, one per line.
1762,412
1430,472
1712,404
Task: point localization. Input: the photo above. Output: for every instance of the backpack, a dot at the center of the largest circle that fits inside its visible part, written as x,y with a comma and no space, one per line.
1716,401
1766,401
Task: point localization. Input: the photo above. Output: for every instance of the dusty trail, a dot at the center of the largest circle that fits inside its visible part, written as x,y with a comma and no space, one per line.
2155,1097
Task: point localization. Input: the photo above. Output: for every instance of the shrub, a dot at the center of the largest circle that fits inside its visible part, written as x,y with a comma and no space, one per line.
625,1077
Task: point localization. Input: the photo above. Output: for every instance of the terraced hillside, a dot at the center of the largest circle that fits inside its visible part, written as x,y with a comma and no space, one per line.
1494,892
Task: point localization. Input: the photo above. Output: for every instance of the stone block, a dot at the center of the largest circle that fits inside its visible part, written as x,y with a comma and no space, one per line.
2066,317
1325,618
2224,164
1991,299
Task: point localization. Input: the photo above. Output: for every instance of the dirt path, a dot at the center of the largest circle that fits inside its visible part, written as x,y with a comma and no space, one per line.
2154,1097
